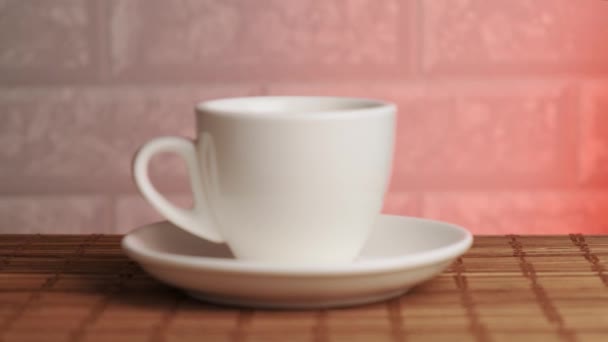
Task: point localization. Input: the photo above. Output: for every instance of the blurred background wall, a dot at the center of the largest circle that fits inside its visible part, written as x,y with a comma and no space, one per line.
503,105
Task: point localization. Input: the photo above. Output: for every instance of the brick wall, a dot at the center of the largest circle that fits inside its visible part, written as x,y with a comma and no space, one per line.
503,105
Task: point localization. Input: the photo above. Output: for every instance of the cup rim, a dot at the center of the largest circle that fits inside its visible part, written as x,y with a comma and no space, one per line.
328,107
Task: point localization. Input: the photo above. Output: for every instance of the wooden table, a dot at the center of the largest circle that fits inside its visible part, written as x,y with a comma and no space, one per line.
506,288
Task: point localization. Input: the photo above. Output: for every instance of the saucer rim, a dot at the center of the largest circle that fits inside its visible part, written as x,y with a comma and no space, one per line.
147,256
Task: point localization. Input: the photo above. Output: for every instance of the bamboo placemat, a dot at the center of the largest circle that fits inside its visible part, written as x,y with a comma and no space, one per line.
82,288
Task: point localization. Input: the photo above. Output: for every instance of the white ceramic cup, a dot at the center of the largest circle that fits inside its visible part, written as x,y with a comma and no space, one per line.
297,180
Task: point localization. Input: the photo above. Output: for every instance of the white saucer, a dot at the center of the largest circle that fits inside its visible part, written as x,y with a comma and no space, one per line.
401,253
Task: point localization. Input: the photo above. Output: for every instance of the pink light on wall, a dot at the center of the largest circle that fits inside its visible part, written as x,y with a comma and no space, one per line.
503,105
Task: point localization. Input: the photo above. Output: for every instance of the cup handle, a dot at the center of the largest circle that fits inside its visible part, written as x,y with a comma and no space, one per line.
196,220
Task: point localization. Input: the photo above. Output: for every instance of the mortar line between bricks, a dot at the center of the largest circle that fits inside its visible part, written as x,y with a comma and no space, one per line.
95,44
419,31
464,83
102,14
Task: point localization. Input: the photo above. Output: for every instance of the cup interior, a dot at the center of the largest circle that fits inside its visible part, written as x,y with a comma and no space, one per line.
291,105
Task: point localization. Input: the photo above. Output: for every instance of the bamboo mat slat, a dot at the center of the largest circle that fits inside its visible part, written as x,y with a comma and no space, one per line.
506,288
